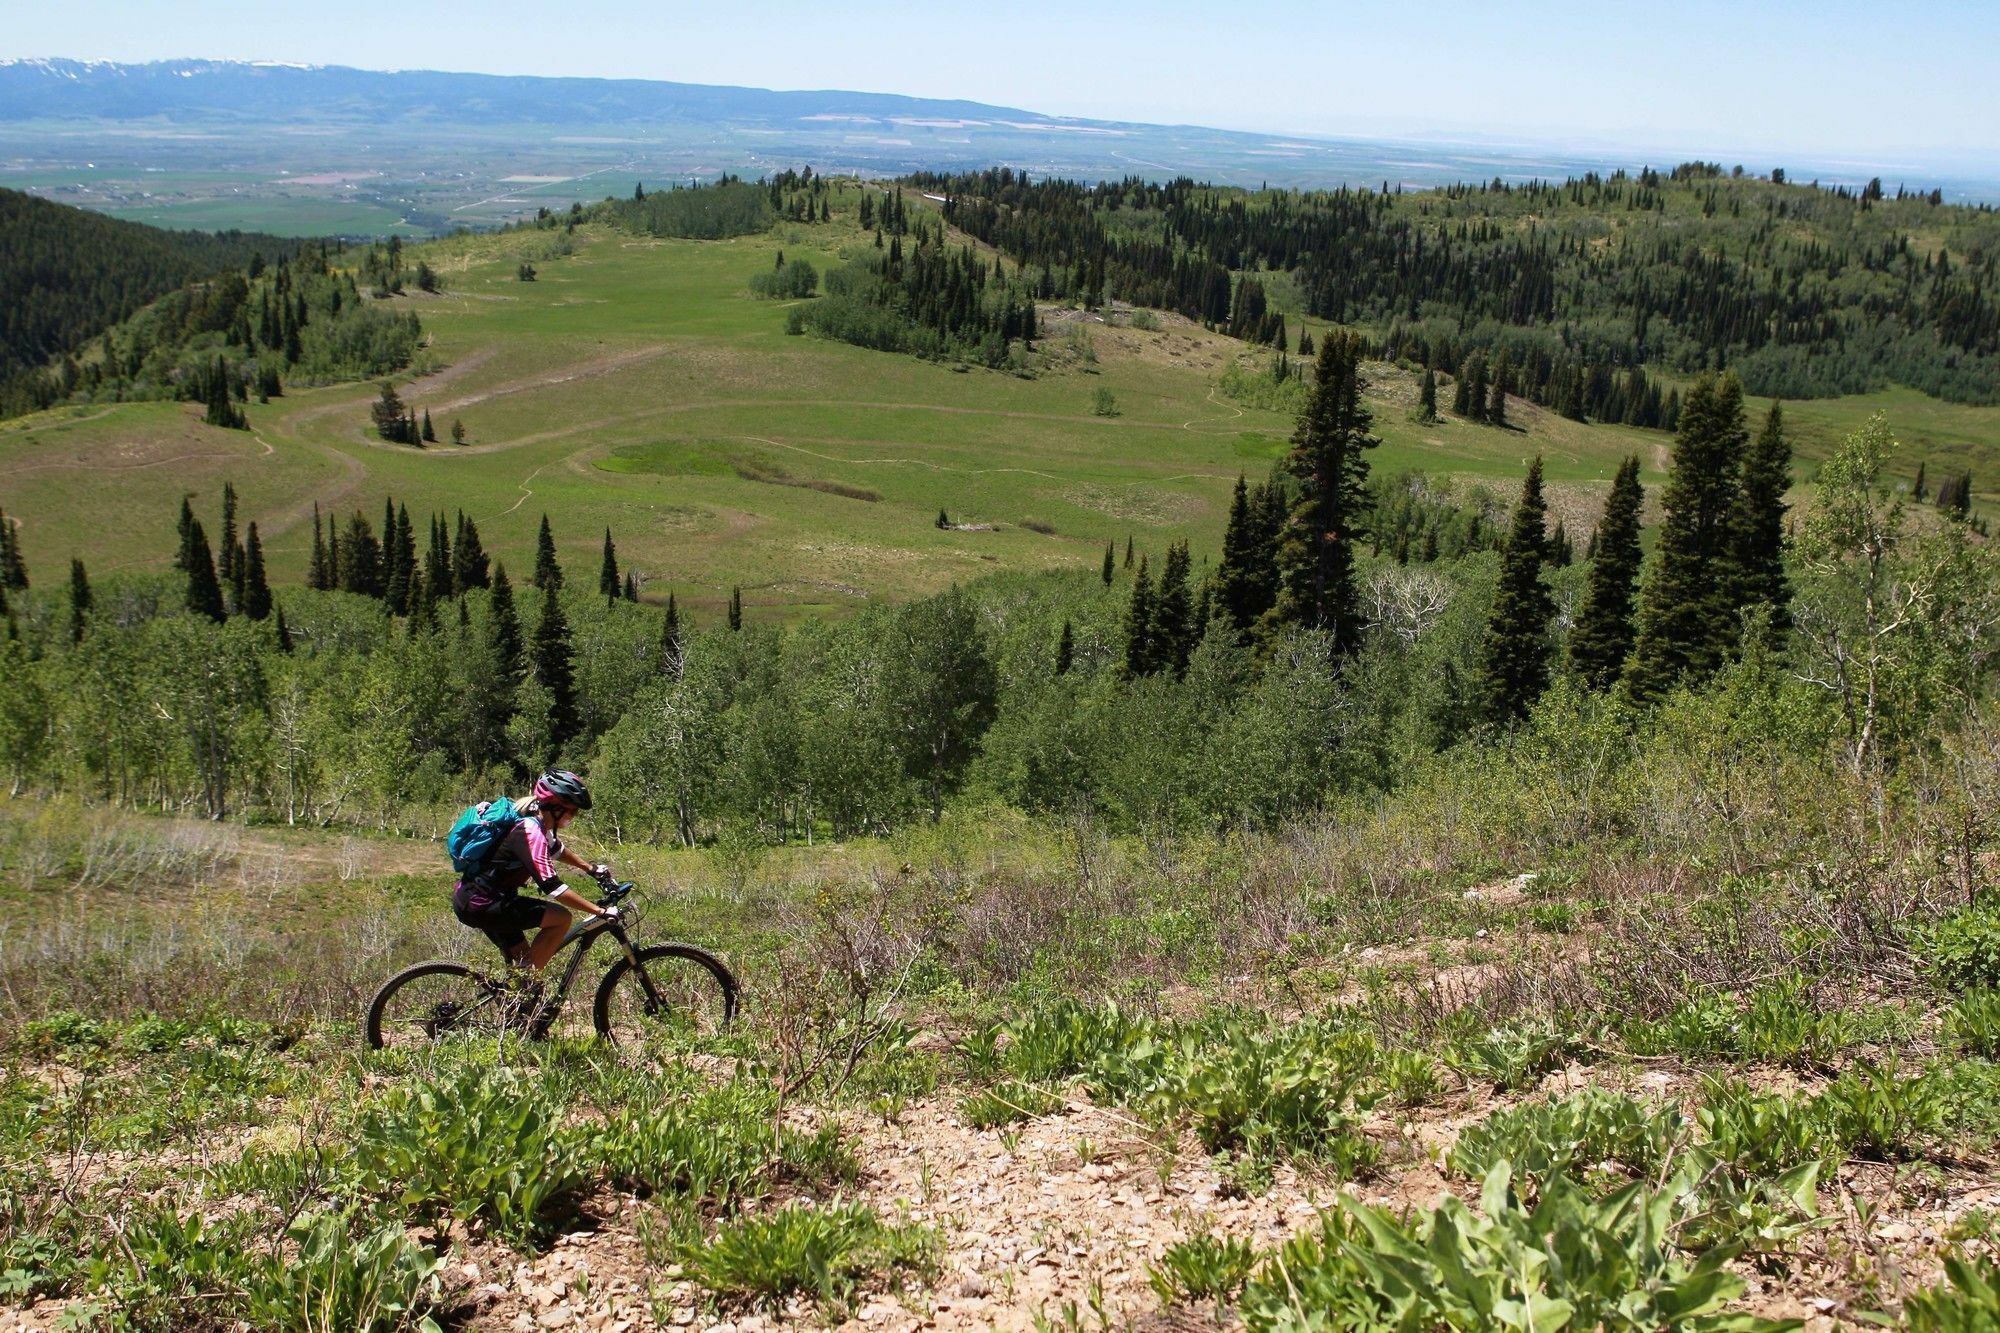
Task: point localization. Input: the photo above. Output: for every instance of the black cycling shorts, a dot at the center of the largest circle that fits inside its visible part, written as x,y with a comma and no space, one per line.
505,921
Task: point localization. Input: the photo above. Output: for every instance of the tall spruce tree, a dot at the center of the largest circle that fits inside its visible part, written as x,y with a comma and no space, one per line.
608,582
1603,636
503,635
14,570
225,554
256,602
1514,655
1427,396
670,639
1759,539
554,664
548,574
1110,562
1139,646
1688,610
184,556
1242,579
437,560
1329,459
468,558
1173,613
1066,648
80,600
282,634
735,609
360,559
204,593
631,592
318,574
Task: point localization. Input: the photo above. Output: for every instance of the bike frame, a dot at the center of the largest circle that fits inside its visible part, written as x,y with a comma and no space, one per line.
583,934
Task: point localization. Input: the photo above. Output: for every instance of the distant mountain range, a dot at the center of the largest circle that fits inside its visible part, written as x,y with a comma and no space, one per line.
322,148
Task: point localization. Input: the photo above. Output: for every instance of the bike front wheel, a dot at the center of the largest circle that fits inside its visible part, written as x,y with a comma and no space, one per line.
433,1001
691,993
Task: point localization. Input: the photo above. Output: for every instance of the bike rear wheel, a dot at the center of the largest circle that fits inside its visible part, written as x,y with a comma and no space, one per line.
431,1002
692,994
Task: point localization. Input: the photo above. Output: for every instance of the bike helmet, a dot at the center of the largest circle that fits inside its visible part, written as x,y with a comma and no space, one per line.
562,787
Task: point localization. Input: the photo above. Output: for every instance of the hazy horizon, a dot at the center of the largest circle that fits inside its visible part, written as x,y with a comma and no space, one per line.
1835,82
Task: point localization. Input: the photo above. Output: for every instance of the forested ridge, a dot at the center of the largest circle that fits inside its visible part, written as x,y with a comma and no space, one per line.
233,317
1804,292
69,273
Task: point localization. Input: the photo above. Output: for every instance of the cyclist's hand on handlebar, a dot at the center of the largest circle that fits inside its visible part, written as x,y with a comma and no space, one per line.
601,872
608,913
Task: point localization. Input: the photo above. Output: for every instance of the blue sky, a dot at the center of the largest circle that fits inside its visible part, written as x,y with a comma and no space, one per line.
1881,82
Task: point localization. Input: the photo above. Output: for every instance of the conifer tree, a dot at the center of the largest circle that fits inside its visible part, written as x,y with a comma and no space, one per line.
360,559
204,594
457,431
1758,553
1128,551
1917,489
430,433
1243,580
1561,552
1687,614
1480,389
555,669
184,557
317,577
399,558
1139,647
1110,562
1065,648
608,582
1173,613
79,599
1427,396
468,558
735,609
256,601
503,635
1329,459
548,574
387,414
13,569
670,639
1496,401
1514,656
631,593
1461,394
283,633
225,556
437,558
1603,636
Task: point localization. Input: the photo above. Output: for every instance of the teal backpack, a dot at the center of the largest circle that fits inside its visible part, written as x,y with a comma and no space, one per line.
478,831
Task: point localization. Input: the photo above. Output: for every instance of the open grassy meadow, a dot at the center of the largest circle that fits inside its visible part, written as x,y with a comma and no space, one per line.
637,385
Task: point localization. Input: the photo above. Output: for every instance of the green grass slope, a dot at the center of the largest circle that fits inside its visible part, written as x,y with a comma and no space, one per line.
637,385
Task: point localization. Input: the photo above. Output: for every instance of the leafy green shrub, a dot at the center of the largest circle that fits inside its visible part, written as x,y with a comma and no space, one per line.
1881,1113
715,1146
1008,1102
1569,1262
828,1251
1974,1022
151,1034
476,1142
1759,1133
380,1280
1968,1301
1294,1090
796,280
1411,1078
1703,1028
1558,917
1509,1056
60,1032
1064,1039
1204,1267
1962,951
1575,1135
1781,1026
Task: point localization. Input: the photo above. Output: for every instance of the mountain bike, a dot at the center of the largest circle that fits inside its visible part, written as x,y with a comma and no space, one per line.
651,988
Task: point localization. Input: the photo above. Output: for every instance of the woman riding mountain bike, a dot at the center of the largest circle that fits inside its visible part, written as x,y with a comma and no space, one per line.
489,899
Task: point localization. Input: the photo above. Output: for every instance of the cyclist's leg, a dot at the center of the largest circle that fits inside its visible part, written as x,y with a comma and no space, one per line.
555,925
